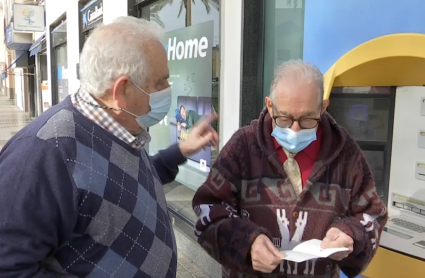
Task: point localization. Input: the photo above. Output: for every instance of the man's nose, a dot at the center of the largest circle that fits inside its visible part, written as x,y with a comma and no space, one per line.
296,126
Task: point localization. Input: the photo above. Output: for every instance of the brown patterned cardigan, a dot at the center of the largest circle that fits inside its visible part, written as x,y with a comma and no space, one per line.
248,193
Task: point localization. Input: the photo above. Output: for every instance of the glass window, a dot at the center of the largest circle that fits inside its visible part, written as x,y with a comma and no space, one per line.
283,35
61,53
361,90
195,88
366,119
170,15
376,162
367,114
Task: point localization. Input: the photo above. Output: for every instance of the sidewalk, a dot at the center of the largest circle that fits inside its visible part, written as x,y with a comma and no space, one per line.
12,119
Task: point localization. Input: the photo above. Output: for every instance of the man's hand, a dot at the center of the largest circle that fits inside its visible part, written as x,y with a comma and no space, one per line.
265,257
200,136
335,238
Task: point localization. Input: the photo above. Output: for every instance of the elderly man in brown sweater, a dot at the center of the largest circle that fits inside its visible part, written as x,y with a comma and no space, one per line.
292,175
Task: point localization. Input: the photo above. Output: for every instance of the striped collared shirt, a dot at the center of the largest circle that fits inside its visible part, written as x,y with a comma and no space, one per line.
89,107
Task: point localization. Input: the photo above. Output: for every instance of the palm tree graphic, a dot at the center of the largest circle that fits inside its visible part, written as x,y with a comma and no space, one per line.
184,4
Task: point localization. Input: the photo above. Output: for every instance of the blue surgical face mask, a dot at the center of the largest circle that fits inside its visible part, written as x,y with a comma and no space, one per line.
294,141
160,103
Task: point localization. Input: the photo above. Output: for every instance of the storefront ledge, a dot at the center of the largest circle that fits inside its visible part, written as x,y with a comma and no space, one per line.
187,244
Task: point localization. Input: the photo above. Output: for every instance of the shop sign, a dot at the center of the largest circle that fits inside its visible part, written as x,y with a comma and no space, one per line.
29,18
9,34
92,14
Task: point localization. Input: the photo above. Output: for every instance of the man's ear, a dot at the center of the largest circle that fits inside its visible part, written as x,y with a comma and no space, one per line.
119,91
325,104
269,105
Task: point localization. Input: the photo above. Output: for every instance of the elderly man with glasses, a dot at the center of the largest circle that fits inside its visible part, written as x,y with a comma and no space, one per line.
292,175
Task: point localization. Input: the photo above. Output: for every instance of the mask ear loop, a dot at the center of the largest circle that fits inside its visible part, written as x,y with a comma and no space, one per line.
137,86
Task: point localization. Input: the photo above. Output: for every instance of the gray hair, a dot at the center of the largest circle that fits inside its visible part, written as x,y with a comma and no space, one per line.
116,50
297,70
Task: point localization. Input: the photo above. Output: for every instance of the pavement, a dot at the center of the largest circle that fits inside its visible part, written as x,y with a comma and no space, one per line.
12,119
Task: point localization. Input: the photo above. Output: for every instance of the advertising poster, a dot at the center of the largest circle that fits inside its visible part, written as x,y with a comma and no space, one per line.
189,52
46,95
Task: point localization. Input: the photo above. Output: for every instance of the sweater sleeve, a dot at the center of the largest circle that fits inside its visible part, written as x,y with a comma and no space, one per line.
221,230
37,207
166,163
368,216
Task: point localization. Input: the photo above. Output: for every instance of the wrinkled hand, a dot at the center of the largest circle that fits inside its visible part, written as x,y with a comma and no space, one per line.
335,238
200,136
265,257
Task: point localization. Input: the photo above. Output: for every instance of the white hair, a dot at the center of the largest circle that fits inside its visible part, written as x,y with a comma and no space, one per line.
116,50
297,71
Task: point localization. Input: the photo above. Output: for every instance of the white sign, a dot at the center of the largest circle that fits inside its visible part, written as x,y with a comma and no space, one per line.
164,121
188,49
28,18
98,12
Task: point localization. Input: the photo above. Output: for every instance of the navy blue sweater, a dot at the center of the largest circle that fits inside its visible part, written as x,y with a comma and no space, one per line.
75,201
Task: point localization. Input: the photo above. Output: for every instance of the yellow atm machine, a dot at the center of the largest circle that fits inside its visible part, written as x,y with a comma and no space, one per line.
377,90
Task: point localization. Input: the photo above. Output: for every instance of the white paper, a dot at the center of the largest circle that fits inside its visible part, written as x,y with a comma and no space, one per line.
309,250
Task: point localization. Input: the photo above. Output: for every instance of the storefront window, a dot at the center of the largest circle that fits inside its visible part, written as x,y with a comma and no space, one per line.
191,40
283,35
61,53
60,63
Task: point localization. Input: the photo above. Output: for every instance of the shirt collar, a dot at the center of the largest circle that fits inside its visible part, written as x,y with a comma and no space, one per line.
90,108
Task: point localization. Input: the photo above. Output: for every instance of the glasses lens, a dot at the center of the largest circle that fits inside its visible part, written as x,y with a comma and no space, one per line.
308,123
284,122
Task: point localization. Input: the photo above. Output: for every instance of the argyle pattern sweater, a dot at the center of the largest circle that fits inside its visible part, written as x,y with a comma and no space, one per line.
248,193
75,201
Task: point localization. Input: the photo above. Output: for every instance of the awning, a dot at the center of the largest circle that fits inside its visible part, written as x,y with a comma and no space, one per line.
36,46
16,60
391,60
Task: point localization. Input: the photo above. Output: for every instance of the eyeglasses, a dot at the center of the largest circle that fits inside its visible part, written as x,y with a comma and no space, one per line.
287,122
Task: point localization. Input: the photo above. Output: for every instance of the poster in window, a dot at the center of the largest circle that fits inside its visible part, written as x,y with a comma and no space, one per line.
189,52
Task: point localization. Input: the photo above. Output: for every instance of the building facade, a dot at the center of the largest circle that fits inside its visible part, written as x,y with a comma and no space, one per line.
222,55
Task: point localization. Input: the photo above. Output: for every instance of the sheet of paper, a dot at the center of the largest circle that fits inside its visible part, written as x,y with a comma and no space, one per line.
297,257
310,250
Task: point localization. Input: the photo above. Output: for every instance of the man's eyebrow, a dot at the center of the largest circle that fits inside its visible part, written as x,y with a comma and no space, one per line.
282,113
309,114
286,114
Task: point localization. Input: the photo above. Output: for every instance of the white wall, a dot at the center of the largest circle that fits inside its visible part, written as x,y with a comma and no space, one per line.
73,45
19,90
231,13
113,9
2,45
405,150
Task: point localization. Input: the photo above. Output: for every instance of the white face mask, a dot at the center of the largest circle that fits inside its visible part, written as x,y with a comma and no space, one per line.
160,103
